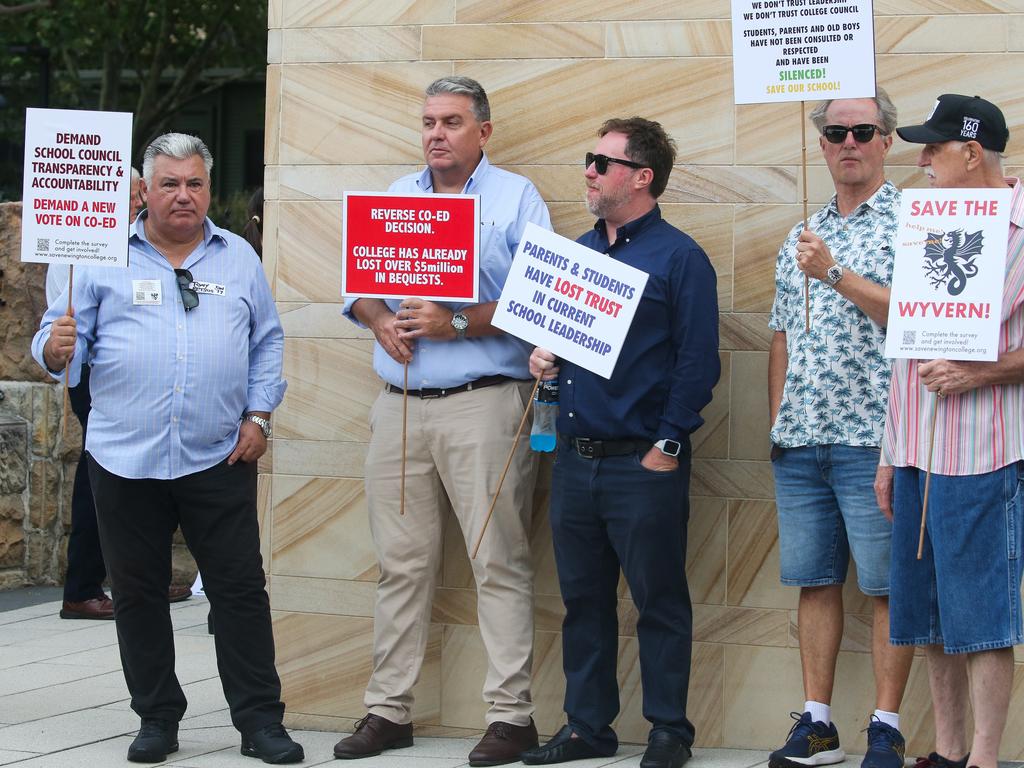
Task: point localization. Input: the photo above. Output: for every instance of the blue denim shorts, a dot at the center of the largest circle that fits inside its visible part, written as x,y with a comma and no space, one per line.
964,592
826,503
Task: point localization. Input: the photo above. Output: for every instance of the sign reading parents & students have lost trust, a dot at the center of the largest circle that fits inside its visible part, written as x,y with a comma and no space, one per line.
569,299
947,282
422,245
77,184
802,50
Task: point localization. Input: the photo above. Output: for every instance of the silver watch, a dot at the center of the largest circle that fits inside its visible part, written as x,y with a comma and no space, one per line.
460,323
259,421
833,275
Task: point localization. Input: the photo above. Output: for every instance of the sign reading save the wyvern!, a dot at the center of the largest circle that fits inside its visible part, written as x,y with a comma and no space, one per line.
569,299
797,50
947,283
396,246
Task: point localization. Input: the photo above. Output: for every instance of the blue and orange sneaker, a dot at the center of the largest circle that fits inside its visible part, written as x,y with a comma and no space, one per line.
886,747
808,743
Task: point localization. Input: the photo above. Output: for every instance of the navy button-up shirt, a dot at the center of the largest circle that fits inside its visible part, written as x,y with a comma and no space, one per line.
669,362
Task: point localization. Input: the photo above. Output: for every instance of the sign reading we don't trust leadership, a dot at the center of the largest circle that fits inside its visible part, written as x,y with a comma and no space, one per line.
422,245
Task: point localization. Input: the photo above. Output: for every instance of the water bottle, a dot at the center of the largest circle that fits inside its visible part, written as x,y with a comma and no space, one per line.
545,413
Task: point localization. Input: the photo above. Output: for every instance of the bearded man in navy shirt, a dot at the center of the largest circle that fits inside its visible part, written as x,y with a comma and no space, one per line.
619,495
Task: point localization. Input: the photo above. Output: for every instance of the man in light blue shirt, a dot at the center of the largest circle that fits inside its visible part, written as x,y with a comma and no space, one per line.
186,352
469,385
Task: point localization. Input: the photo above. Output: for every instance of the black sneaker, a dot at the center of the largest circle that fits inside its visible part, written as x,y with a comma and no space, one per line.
157,739
935,760
886,747
272,744
808,743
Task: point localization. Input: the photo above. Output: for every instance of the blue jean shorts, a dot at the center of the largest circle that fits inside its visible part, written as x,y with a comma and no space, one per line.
826,503
964,592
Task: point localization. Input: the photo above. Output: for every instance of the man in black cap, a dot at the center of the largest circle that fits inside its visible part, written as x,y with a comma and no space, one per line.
962,599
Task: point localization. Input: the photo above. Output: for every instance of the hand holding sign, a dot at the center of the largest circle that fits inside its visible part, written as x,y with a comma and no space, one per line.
60,347
420,319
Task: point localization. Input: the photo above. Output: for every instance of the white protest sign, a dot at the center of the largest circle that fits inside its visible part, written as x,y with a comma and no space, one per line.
569,299
77,184
947,282
797,50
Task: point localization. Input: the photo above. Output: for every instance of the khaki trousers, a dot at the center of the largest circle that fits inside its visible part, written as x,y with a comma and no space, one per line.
456,449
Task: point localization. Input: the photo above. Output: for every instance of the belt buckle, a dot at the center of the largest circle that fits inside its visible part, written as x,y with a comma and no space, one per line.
424,395
585,447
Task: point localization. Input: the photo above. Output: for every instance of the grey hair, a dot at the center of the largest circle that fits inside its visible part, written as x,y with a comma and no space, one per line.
886,112
463,86
180,146
135,174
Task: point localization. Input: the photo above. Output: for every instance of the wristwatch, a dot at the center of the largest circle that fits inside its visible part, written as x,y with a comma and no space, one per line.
833,275
668,447
259,421
460,323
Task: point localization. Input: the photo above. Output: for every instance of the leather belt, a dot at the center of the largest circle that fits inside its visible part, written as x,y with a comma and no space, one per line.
469,386
598,449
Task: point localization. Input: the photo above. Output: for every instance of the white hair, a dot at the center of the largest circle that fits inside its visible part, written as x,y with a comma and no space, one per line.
180,146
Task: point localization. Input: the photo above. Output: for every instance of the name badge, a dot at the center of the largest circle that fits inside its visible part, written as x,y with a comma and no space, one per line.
214,289
146,292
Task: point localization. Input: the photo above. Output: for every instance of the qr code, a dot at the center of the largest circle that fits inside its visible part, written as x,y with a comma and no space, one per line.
910,338
43,244
140,296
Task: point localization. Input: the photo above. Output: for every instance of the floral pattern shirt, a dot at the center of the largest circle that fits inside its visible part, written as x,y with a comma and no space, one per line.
837,379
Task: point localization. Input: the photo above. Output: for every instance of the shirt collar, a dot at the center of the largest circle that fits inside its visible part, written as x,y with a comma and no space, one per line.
632,228
210,231
426,182
883,198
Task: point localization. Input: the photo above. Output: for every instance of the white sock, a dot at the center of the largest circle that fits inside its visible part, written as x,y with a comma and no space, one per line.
820,713
889,718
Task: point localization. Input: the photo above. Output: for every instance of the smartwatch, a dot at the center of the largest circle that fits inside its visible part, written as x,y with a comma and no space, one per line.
460,323
668,447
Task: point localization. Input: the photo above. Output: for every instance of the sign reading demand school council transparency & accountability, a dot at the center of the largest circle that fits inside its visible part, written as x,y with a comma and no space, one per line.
77,183
797,50
569,299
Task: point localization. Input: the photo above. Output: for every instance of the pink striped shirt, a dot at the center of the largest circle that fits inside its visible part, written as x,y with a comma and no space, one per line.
977,431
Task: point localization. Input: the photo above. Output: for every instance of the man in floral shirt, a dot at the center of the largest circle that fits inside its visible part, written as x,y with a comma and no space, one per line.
827,387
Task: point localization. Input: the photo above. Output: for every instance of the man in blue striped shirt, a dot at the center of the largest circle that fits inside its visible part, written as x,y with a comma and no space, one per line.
186,352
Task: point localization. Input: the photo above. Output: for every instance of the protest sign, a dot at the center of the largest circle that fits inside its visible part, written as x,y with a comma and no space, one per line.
947,283
569,299
425,245
77,184
796,50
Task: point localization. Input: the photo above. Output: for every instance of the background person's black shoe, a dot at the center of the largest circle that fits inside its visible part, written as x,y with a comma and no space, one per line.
665,750
272,744
157,739
561,749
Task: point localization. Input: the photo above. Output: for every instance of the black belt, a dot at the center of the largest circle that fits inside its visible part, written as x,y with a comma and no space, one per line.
598,449
469,386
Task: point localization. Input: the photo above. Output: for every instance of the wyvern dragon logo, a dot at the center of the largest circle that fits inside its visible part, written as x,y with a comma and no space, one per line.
949,259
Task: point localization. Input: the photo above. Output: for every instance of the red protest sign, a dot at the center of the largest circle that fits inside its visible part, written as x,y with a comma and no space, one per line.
395,246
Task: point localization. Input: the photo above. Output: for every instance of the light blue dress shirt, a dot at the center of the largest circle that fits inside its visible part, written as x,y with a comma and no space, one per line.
508,202
169,387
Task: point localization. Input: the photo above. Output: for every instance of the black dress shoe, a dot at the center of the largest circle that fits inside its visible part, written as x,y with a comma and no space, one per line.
503,743
665,750
156,740
561,749
373,734
272,744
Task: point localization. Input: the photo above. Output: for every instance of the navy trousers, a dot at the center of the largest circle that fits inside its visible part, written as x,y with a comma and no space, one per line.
86,571
608,513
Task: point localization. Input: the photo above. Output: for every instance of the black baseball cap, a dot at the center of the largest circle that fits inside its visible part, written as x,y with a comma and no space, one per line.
961,118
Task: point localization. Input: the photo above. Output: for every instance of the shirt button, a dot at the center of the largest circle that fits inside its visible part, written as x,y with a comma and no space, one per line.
181,357
572,415
568,381
180,326
177,389
174,419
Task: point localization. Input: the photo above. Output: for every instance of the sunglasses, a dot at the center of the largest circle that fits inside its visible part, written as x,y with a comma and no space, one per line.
600,162
189,296
862,134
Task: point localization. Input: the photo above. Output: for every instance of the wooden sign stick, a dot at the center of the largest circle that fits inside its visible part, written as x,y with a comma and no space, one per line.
928,474
803,164
405,436
66,398
501,481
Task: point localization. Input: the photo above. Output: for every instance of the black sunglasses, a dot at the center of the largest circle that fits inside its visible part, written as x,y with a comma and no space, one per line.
862,134
601,162
189,296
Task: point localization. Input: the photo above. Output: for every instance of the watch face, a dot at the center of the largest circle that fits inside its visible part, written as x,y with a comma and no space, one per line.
460,322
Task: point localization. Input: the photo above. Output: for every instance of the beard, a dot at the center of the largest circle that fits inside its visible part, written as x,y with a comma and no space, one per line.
606,201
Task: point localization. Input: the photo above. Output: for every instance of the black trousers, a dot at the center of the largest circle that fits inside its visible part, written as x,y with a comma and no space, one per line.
86,571
216,509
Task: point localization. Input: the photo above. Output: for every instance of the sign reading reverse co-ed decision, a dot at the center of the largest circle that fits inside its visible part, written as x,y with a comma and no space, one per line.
77,184
797,50
422,245
569,299
947,282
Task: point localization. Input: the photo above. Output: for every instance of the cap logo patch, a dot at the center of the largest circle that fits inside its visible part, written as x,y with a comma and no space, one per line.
970,129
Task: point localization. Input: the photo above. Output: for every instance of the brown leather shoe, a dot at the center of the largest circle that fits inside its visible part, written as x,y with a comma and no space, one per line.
97,608
178,592
503,743
372,736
